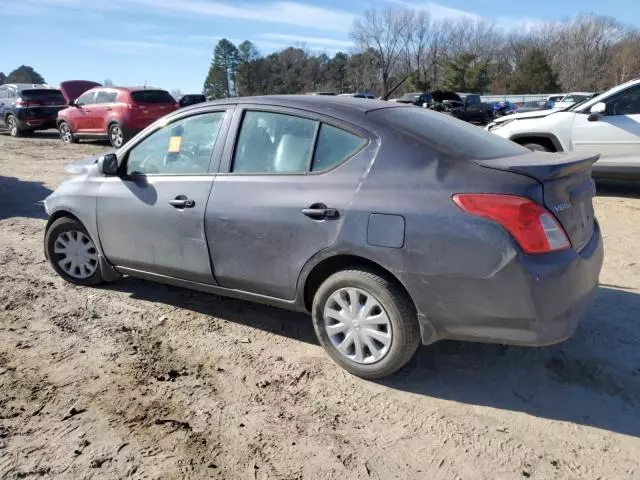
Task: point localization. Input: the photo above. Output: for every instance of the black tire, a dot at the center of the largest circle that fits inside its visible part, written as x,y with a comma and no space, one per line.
12,126
399,309
66,134
536,147
57,228
116,139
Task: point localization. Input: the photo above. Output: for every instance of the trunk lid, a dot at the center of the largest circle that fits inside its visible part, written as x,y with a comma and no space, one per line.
72,89
568,188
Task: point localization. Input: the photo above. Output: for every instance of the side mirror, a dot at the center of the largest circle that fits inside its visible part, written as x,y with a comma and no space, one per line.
108,164
72,103
597,111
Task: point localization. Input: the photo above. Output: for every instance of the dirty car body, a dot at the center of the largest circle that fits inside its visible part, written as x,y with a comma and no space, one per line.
446,224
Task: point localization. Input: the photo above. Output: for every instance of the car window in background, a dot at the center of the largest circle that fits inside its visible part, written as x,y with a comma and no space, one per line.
450,136
409,97
180,148
106,97
625,103
334,145
43,96
86,98
152,96
273,143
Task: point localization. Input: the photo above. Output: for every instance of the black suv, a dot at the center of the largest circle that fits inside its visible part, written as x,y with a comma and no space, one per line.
191,99
28,107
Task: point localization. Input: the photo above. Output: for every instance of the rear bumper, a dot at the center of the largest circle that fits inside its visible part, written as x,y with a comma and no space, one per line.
532,301
28,120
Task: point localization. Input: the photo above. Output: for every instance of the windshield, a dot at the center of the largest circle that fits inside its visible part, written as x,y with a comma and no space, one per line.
581,102
410,96
450,136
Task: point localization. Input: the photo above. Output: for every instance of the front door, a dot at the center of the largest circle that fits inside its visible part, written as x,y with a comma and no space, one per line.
281,197
102,109
151,218
616,134
80,115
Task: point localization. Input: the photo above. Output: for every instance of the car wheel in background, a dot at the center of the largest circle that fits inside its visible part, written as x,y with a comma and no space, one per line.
536,147
12,126
366,323
66,135
72,253
116,135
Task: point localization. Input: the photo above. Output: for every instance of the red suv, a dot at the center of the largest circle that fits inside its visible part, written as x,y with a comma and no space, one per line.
114,113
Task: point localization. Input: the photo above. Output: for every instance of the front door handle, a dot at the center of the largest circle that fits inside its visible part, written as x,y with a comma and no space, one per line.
109,109
182,202
319,211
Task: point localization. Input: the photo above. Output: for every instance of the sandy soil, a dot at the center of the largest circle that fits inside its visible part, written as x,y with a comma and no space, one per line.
137,380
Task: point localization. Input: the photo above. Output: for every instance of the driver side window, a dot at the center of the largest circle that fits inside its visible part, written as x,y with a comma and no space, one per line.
86,98
626,103
180,148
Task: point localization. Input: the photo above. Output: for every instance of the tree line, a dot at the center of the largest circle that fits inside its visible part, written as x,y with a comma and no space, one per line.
22,74
401,49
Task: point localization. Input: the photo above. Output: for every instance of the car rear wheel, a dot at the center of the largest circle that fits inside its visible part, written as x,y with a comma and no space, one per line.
72,253
13,127
536,147
365,323
116,135
66,135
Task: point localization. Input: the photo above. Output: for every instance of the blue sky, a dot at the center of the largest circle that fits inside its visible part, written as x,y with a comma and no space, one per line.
169,43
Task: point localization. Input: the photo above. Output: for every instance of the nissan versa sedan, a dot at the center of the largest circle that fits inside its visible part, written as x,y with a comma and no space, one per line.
391,225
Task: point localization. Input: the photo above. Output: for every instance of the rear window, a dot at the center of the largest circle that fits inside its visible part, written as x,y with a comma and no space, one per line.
152,96
448,135
49,95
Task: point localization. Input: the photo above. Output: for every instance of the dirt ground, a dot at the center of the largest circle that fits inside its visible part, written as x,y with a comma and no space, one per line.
138,380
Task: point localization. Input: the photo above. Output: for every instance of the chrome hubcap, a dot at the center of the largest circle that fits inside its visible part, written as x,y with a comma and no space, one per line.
65,133
13,126
78,256
357,325
116,136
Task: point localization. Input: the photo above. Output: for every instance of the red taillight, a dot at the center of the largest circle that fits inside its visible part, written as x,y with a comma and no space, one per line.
22,103
533,226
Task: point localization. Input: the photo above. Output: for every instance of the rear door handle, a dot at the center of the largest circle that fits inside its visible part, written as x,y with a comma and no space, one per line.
319,211
182,202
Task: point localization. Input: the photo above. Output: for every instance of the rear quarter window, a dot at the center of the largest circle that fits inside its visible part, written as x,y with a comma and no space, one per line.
446,134
333,146
152,96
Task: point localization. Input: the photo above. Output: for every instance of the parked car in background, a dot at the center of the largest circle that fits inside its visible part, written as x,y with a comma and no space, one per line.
571,99
531,107
25,108
191,99
112,113
553,99
368,188
370,96
472,109
323,93
607,124
420,99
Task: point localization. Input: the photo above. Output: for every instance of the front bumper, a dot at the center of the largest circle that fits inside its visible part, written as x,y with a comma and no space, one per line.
534,300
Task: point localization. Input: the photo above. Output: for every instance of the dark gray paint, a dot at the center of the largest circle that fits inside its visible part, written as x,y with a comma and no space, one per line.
247,236
385,230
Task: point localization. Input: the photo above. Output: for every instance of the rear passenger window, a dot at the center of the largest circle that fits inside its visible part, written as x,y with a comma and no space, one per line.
333,147
273,143
106,97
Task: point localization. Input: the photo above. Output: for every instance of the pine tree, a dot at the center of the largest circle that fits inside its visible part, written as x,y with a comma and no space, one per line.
463,73
3,78
533,74
221,79
247,77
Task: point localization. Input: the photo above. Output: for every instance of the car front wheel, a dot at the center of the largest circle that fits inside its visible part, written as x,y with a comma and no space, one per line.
72,252
366,323
66,135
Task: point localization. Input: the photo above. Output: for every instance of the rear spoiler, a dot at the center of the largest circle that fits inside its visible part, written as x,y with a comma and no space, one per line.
542,166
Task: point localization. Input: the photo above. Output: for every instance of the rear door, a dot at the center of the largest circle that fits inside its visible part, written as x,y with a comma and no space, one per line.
616,135
278,200
151,217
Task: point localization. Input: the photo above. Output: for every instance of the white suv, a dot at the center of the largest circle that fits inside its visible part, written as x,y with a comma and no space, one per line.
607,124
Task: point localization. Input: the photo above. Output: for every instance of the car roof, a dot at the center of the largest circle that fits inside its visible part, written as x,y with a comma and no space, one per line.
335,106
25,86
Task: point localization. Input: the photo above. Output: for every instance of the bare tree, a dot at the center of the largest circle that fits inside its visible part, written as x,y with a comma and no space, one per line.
385,33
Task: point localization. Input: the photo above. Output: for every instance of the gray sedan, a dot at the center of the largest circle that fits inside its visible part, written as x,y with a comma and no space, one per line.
391,225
